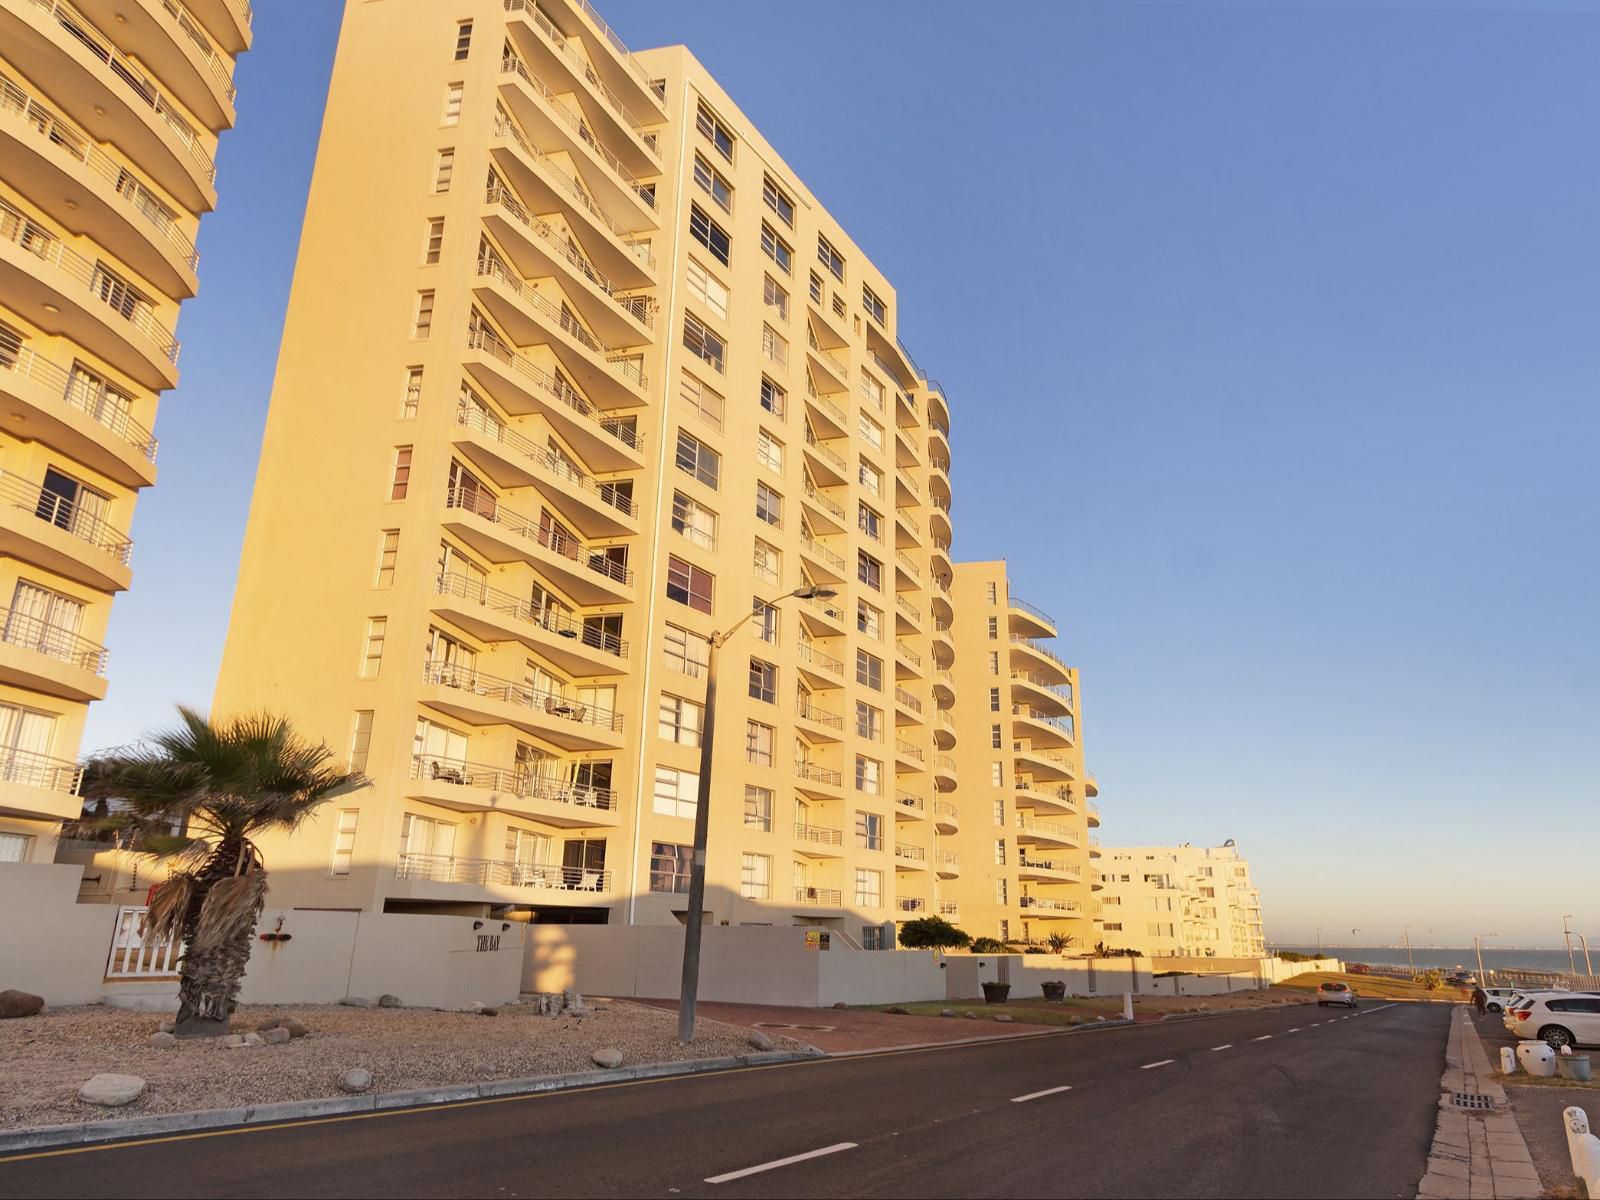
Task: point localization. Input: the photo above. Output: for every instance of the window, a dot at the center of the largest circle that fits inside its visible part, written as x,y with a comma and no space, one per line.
388,551
698,459
870,478
872,937
1112,925
712,128
14,847
444,167
707,289
994,662
1005,931
774,346
995,743
463,40
669,867
869,831
990,589
766,620
712,183
999,811
372,648
994,699
871,432
763,681
411,398
688,584
686,651
1159,929
768,562
777,200
434,242
876,309
769,453
707,404
694,521
869,620
869,888
703,344
676,792
830,258
452,105
755,877
775,297
758,808
360,740
869,775
758,743
402,473
710,235
680,720
423,322
869,521
996,774
994,628
869,670
1000,891
344,841
875,394
769,505
776,248
869,570
773,398
869,721
1000,852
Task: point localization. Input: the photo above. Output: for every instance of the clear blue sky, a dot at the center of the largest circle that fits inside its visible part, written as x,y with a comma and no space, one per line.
1270,337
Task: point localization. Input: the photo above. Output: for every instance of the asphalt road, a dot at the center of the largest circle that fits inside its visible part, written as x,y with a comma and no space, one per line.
1292,1102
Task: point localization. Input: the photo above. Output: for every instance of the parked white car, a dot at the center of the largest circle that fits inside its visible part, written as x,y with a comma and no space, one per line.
1560,1018
1497,998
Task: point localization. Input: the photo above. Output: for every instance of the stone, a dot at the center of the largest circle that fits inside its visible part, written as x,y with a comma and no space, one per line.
22,1004
356,1079
760,1041
296,1028
608,1057
112,1091
898,1010
232,1039
356,1002
971,1016
488,1011
947,1012
388,1000
1004,1017
161,1040
572,998
276,1037
169,1025
840,1004
244,1041
472,1006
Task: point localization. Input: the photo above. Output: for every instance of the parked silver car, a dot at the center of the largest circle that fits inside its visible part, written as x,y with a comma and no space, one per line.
1336,993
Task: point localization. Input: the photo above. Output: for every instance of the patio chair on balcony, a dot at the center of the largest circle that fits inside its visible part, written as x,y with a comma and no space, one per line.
437,770
560,706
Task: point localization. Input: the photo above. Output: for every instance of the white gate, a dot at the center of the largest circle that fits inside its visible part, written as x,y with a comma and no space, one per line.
134,955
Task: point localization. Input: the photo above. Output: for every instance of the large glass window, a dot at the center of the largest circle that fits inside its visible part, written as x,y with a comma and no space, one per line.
669,867
696,458
710,235
688,584
676,792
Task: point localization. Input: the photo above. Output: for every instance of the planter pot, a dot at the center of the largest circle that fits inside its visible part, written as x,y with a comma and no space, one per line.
996,993
1573,1066
1537,1058
1054,991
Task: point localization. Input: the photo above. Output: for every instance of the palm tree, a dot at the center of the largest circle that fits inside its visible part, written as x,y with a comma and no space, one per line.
220,783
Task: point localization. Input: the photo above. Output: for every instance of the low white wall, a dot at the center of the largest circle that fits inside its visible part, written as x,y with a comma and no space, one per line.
50,944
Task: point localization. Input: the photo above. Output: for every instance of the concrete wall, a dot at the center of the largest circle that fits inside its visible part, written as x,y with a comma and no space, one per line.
50,944
966,973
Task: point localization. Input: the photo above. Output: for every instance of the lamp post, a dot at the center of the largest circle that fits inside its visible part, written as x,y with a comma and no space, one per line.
1410,960
1477,944
1566,936
689,990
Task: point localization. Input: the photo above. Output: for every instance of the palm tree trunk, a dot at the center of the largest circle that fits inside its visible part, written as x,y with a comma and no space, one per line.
206,988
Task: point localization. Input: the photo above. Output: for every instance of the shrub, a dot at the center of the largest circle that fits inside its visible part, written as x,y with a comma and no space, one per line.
932,933
1058,942
1432,980
986,945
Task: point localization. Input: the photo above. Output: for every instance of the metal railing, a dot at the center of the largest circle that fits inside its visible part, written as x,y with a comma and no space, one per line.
481,337
910,610
1062,725
912,904
112,291
512,691
581,67
826,405
73,141
943,762
547,460
1033,610
915,753
93,399
1049,904
1045,864
137,955
827,504
945,677
215,62
1047,829
40,771
907,653
124,69
904,697
1034,645
1054,792
53,641
446,868
938,462
948,858
942,503
616,44
65,514
825,897
827,452
825,356
826,607
817,549
1063,690
943,808
821,716
557,621
524,784
910,522
907,565
911,801
1060,760
809,653
817,773
949,908
908,483
819,834
550,537
911,853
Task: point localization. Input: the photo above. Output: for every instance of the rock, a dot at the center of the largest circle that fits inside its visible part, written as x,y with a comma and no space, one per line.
112,1091
295,1027
357,1002
388,1000
232,1040
608,1058
1004,1017
472,1006
356,1079
276,1037
268,1023
243,1041
161,1040
971,1016
25,1004
169,1025
947,1012
898,1011
760,1040
509,1003
487,1010
840,1004
572,998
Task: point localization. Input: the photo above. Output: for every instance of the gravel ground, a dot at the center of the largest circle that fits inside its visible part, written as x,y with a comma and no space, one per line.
45,1059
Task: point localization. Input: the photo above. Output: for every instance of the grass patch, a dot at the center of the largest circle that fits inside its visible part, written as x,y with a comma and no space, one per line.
1067,1012
1538,1081
1375,987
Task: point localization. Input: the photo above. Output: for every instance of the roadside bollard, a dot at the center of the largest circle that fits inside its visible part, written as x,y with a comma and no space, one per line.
1127,1006
1508,1061
1584,1148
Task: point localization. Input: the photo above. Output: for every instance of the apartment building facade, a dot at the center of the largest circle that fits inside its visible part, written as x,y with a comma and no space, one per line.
577,373
1181,900
110,115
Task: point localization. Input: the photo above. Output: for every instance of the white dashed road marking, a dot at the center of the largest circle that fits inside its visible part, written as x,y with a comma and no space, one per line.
1224,1046
1036,1095
782,1162
1265,1037
1162,1063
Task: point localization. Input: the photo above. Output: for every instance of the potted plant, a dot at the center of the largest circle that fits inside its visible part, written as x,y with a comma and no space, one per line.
996,993
1054,990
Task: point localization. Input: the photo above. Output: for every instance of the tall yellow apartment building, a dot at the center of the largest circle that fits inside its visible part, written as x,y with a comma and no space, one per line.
109,118
1180,900
577,372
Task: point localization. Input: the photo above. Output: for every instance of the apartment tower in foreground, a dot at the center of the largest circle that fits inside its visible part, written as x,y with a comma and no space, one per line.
109,118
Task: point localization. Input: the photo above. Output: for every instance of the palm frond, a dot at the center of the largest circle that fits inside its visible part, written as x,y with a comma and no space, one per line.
169,907
230,910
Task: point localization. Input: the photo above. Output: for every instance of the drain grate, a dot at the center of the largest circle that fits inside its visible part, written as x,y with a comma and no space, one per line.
1472,1100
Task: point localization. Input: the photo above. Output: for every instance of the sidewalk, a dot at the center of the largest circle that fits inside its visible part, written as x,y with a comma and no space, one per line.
852,1030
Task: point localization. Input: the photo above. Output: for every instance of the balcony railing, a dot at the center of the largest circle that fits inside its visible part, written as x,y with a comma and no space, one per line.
828,453
93,399
107,289
1038,648
1032,610
823,897
821,716
826,503
558,622
910,610
946,678
505,872
819,834
825,355
1062,724
581,67
938,462
907,483
32,633
949,908
947,858
124,69
915,753
550,537
73,141
943,762
826,405
908,521
1045,864
809,653
817,773
481,337
906,652
904,697
511,64
911,853
911,801
1046,829
545,459
1063,690
63,513
943,808
818,550
911,904
1049,904
525,784
1061,795
826,607
215,63
907,564
511,691
40,771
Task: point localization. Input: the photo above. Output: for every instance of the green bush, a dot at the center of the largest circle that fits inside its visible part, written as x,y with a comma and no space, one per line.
1058,942
986,945
932,933
1431,980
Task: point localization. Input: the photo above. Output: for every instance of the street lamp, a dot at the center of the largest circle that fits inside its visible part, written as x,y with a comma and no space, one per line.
1477,943
689,990
1566,936
1410,960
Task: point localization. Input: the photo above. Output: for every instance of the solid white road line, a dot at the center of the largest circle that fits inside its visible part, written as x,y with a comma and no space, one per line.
1162,1063
1036,1095
1224,1046
782,1162
1381,1007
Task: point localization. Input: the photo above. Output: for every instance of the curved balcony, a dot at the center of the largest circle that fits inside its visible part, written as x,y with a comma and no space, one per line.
1045,908
1038,691
1046,766
1030,832
944,773
1040,727
573,644
947,864
38,787
171,43
1048,798
1029,655
1029,621
55,533
66,173
944,646
944,730
587,574
478,698
50,658
939,526
1045,870
944,688
228,21
493,880
481,787
66,294
946,817
939,558
910,858
1094,846
908,806
1091,786
109,95
1093,811
938,411
45,402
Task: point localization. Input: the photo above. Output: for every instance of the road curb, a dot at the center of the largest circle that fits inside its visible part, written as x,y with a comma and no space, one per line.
1050,1031
83,1133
